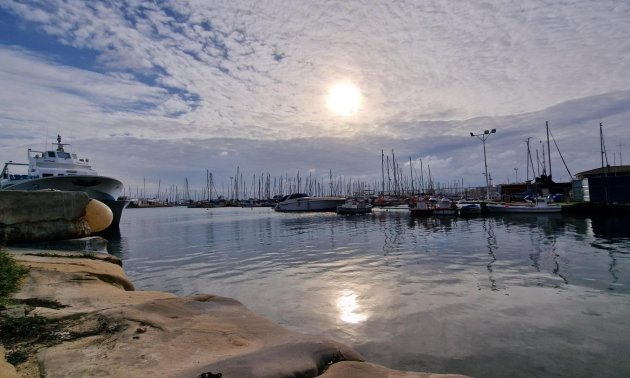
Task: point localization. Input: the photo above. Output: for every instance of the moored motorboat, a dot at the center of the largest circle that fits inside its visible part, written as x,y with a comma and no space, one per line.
304,202
353,206
421,208
540,206
444,207
64,171
468,208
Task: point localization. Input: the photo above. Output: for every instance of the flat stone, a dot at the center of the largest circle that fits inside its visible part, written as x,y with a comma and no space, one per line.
86,244
18,311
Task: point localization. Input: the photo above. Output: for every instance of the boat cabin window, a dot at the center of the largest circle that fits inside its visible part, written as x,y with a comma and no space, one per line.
63,155
297,195
49,154
47,175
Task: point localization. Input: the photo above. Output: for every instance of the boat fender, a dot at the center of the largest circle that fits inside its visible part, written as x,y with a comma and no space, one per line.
98,215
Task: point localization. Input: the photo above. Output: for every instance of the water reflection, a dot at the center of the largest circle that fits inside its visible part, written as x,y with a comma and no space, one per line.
611,227
434,291
114,242
613,234
488,227
390,224
349,309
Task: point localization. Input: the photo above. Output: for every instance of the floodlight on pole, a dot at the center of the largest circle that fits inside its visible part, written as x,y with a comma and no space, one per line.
482,138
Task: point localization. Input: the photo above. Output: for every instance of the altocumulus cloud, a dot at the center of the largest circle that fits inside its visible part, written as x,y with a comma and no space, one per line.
167,79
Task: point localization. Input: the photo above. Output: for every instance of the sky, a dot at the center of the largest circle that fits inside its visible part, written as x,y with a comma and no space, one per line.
164,91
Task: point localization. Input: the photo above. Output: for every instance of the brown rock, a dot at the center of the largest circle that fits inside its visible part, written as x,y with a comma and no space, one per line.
6,369
115,331
356,369
201,334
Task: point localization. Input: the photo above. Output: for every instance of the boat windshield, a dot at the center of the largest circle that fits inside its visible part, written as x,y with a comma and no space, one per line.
297,195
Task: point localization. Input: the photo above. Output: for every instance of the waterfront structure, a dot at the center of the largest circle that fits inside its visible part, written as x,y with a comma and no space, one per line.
61,170
518,191
610,184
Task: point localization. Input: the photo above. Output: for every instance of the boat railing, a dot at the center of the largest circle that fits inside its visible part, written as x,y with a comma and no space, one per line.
5,171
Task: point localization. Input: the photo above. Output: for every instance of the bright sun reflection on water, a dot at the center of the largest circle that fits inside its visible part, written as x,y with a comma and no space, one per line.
349,310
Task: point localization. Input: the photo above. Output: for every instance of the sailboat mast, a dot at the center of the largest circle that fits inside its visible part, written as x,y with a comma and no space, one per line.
395,170
207,185
548,148
529,159
602,147
422,177
383,171
601,144
389,179
544,161
331,181
411,173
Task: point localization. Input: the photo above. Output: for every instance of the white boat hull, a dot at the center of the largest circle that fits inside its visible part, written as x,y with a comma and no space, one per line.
310,204
445,212
522,209
469,209
101,188
354,208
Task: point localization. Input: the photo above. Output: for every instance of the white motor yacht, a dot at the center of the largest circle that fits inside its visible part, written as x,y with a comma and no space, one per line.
303,202
539,206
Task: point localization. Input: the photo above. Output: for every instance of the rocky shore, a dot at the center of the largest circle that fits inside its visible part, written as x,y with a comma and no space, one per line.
75,313
98,325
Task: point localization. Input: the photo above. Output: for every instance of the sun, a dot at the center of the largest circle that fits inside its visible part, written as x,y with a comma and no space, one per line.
344,99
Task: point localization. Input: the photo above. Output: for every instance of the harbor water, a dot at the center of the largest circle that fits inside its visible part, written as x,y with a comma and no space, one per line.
511,295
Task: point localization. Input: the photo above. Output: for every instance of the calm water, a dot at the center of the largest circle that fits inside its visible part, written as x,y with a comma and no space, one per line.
525,295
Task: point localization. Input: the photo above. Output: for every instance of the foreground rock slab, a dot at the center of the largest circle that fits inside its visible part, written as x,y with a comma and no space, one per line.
105,328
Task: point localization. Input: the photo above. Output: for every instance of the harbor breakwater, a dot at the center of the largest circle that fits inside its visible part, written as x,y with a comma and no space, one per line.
78,314
27,216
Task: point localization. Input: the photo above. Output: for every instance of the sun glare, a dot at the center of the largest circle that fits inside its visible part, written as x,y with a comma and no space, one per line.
344,99
349,309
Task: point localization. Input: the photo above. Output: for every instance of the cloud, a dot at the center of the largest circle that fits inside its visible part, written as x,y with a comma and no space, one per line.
251,78
452,158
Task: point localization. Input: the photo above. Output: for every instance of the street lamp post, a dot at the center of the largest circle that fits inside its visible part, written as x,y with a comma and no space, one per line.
482,138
